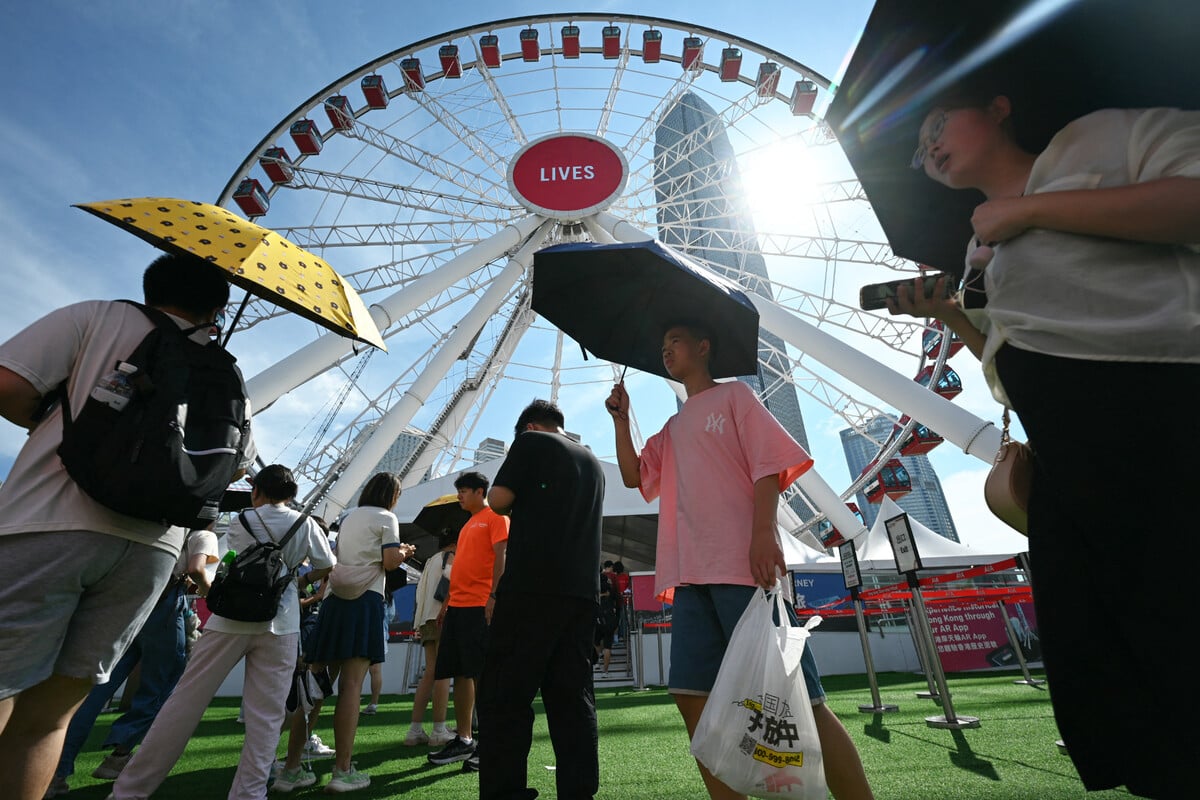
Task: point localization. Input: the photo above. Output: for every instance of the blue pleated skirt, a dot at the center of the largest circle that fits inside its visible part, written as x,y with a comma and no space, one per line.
348,629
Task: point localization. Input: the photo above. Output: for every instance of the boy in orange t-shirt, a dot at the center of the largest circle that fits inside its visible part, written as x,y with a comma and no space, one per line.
478,565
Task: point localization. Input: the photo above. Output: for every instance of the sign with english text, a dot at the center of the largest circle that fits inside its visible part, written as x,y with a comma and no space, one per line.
567,176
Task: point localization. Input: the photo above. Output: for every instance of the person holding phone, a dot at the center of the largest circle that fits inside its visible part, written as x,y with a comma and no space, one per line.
1092,277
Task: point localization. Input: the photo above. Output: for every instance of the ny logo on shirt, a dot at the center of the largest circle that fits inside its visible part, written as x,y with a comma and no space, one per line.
715,424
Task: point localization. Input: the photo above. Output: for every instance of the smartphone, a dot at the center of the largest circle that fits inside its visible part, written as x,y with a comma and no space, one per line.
875,295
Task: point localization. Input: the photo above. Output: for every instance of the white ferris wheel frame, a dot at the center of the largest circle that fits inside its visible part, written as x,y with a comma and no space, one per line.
515,243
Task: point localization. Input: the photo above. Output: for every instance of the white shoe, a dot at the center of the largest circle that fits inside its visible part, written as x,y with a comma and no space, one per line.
347,781
288,780
414,738
370,709
315,748
442,737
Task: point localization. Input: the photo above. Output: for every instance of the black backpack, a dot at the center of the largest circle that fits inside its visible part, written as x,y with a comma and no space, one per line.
169,455
249,588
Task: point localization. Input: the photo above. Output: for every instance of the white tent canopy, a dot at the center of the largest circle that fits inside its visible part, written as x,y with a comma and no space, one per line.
874,550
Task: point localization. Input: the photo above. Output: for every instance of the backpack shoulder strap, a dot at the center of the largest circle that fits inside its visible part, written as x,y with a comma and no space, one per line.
246,524
287,537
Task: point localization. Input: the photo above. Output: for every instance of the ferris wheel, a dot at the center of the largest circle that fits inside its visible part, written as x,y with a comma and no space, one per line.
401,175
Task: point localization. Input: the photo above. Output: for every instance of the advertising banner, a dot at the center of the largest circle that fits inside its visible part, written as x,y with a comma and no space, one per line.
972,636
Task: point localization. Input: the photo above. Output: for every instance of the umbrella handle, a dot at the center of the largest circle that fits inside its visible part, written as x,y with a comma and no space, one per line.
233,323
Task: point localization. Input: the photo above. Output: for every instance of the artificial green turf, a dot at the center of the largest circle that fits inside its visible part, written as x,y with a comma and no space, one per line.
644,752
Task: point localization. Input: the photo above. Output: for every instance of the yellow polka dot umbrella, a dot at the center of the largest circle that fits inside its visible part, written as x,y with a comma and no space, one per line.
257,259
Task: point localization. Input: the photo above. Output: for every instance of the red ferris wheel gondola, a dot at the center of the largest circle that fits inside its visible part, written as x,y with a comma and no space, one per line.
651,46
948,385
831,536
570,41
920,439
892,481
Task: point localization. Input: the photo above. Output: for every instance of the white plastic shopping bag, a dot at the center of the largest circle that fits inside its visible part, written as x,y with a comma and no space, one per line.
757,733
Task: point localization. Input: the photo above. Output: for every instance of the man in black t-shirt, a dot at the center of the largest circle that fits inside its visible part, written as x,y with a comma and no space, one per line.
541,633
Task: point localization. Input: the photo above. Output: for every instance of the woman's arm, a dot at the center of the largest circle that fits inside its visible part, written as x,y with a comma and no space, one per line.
939,307
1165,211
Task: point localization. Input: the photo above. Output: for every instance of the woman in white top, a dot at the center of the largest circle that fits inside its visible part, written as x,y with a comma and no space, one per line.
269,649
349,633
1091,325
426,618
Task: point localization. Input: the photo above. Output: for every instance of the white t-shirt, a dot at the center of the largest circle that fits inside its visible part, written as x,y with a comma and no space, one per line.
1095,298
309,542
77,343
428,607
198,542
362,535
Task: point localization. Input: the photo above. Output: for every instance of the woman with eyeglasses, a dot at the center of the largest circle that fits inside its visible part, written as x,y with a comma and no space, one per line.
1091,333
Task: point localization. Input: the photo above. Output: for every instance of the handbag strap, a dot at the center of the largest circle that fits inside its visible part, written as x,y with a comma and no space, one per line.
1004,437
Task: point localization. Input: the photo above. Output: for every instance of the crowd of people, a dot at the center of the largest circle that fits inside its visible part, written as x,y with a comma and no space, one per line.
1113,202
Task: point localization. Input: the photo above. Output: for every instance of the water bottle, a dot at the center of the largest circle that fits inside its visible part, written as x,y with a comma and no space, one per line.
115,388
226,560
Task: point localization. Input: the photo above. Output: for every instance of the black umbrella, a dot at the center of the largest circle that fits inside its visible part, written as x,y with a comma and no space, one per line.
1057,60
422,532
617,300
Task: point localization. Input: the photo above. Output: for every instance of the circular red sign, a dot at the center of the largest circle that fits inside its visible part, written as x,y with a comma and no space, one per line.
567,176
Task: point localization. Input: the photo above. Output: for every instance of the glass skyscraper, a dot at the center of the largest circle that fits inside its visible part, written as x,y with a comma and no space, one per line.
925,503
701,212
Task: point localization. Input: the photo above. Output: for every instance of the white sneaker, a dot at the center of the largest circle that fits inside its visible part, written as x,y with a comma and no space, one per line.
444,736
288,780
415,737
347,781
315,748
370,709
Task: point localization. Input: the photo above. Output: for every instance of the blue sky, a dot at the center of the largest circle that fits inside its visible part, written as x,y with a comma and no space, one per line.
125,99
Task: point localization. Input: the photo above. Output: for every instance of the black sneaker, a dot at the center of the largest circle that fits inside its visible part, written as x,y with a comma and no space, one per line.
471,764
457,750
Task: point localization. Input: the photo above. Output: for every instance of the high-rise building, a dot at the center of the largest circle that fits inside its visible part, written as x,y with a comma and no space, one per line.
925,503
489,450
702,212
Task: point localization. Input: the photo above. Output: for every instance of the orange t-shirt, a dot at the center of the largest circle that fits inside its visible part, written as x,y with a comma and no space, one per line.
471,577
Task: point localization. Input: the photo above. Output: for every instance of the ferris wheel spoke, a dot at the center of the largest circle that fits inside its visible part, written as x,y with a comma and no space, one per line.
391,233
463,207
401,414
613,89
481,67
424,160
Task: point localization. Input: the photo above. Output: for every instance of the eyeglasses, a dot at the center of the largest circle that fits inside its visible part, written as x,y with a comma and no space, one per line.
936,127
219,320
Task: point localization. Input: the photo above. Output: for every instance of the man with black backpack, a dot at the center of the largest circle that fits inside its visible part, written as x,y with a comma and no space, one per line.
81,577
238,632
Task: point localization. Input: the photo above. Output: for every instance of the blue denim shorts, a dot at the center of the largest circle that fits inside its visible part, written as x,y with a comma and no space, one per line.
702,621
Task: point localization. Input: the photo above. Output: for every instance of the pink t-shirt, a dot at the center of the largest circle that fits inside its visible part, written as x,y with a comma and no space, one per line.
702,467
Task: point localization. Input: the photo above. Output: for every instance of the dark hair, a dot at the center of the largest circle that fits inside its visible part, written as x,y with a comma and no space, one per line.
276,482
321,523
471,480
699,329
381,491
447,537
185,281
618,567
540,412
607,564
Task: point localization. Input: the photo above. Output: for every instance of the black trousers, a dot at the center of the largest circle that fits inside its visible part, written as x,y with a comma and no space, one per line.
1111,519
538,642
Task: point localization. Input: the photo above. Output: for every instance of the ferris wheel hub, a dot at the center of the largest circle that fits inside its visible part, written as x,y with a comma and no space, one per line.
568,176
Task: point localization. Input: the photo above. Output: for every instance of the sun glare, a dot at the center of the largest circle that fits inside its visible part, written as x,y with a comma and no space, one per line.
781,181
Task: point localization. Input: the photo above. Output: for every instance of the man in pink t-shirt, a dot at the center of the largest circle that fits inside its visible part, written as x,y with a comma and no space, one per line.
717,468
